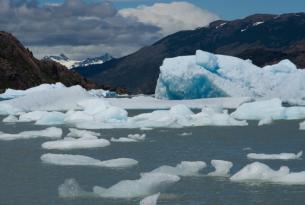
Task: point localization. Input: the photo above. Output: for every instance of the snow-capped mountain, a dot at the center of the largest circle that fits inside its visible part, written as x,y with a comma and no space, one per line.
69,63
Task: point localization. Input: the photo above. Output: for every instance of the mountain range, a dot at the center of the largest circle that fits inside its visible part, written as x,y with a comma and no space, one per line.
263,38
21,70
69,63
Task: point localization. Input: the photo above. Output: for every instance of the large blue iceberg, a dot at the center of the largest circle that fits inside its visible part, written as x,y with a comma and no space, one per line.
207,75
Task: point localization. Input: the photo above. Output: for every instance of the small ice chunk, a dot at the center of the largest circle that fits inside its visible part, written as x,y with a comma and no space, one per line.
52,132
76,133
265,121
222,168
259,172
123,139
150,200
186,134
302,125
71,143
138,137
185,168
149,183
81,160
10,119
281,156
70,189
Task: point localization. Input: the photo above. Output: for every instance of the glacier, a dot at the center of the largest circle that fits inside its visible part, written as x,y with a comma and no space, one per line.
206,75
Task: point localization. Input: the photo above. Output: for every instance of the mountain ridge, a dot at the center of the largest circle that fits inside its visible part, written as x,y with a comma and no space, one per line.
263,38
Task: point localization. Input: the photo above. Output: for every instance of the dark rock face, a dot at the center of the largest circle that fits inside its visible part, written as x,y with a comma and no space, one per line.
20,70
277,38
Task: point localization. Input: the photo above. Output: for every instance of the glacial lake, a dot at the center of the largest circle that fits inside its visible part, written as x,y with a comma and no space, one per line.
25,180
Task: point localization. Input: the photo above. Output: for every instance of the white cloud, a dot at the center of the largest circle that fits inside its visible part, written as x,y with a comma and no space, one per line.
171,17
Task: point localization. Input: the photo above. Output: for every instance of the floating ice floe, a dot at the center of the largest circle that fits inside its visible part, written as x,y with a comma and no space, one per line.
57,99
80,160
11,93
138,137
150,200
186,134
222,168
268,109
302,125
259,172
52,132
75,133
69,143
151,103
185,168
205,75
71,189
281,156
147,184
123,139
10,119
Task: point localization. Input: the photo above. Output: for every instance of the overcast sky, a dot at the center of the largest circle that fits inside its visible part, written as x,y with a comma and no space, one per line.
84,28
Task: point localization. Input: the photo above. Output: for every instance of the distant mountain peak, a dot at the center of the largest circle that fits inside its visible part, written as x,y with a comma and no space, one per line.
69,63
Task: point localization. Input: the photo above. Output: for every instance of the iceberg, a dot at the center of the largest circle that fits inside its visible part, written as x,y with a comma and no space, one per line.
259,172
122,139
206,75
71,189
75,133
70,143
11,93
81,160
268,109
147,184
10,119
222,168
281,156
57,99
150,200
185,168
52,132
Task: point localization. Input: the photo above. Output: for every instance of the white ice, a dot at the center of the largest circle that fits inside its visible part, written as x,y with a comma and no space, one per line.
51,133
81,160
150,200
11,93
75,133
268,109
281,156
71,143
123,139
222,168
259,172
10,119
137,137
147,184
206,75
71,189
185,168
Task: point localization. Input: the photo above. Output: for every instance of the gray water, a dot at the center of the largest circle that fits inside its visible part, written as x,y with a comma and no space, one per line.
24,180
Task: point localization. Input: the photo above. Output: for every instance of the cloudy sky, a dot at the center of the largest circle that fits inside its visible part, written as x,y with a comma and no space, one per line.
86,28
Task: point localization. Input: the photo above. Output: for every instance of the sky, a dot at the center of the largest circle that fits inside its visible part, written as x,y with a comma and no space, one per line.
87,28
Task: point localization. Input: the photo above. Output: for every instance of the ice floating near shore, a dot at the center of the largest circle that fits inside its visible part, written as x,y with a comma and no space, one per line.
268,109
281,156
222,168
206,75
302,125
259,172
50,133
71,143
75,133
11,93
138,137
149,183
150,200
183,169
57,99
80,160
